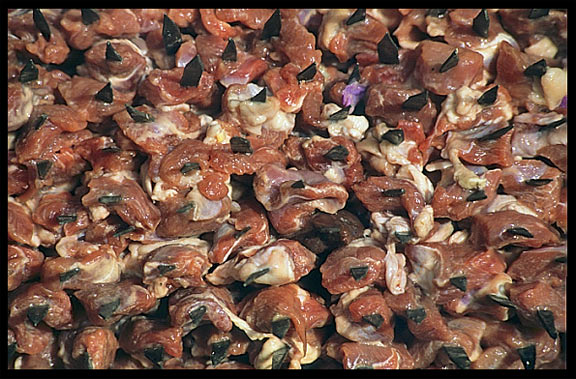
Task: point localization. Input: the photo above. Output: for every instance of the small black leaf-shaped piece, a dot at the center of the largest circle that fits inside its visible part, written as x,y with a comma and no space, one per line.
65,219
196,315
40,120
337,153
359,273
12,351
438,13
417,315
357,16
394,136
111,53
108,309
139,116
375,320
496,134
111,149
229,54
110,199
192,72
89,16
536,69
41,24
339,115
272,26
552,125
240,233
279,356
481,23
537,13
69,274
458,356
388,50
459,282
355,75
450,62
260,97
298,184
36,313
255,275
280,326
416,102
501,300
171,36
561,259
155,354
477,195
185,208
42,167
308,73
190,166
105,95
519,231
488,97
29,72
84,361
122,231
403,237
218,351
528,356
240,145
546,318
163,269
393,192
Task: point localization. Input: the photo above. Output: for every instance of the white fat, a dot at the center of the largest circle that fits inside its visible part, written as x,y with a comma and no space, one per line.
508,202
555,86
159,193
465,177
98,212
417,177
263,361
435,26
335,173
458,237
425,262
20,115
444,231
462,105
332,22
424,222
204,209
182,108
395,274
275,258
11,140
490,50
352,126
216,134
543,48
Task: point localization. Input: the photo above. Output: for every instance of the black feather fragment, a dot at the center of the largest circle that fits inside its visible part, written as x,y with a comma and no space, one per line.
219,351
388,50
488,97
192,72
108,309
416,102
89,16
111,53
43,167
519,231
536,69
450,62
477,195
459,282
190,166
229,54
359,273
308,73
528,356
171,36
342,114
458,356
41,24
240,145
537,13
260,97
255,275
394,136
280,326
417,315
29,72
272,26
375,320
546,319
36,313
139,116
357,16
105,95
196,315
69,274
394,192
496,134
337,153
481,23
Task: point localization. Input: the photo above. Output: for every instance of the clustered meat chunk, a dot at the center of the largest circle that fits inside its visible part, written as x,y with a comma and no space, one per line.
287,188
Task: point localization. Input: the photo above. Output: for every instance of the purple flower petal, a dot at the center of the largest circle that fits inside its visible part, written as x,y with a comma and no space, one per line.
564,103
352,94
